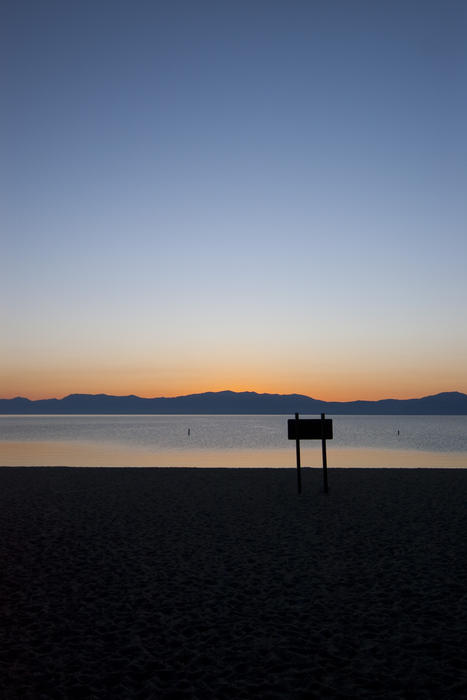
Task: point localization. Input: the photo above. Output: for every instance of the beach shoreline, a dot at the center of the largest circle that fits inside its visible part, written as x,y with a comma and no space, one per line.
212,583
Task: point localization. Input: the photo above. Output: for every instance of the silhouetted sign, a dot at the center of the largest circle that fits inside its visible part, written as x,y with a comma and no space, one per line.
309,429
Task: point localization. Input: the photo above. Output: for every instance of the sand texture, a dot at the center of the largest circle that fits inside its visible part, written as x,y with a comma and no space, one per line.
210,583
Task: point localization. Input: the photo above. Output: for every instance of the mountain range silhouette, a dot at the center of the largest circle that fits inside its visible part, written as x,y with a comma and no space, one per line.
230,402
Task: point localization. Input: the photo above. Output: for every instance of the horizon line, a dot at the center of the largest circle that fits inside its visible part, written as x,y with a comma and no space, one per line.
230,391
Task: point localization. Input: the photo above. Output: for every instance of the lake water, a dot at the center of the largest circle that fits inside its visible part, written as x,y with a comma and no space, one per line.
229,441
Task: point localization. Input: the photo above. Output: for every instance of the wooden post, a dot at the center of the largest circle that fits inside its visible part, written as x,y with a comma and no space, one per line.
325,461
297,450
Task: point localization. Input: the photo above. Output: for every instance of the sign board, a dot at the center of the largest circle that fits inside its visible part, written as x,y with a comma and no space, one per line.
309,429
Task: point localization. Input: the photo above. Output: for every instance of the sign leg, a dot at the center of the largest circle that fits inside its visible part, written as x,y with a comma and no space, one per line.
325,460
297,450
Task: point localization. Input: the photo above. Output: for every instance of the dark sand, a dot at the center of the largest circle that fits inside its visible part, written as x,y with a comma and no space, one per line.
211,583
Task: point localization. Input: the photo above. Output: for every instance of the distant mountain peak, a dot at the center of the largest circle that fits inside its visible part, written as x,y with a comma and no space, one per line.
231,402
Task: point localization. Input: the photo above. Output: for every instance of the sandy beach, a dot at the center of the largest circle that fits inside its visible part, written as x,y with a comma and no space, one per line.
223,583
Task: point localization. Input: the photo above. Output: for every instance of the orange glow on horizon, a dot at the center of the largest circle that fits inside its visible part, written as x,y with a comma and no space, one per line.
353,391
343,377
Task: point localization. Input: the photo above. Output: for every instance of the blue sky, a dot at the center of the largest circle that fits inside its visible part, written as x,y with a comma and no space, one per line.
266,196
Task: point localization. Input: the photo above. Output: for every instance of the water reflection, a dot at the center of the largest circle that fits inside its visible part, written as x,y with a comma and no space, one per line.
78,454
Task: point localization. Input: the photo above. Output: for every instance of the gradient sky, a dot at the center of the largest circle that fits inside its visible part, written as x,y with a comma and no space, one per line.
264,196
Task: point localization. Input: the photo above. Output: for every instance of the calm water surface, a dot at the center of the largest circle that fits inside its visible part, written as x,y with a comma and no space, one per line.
434,441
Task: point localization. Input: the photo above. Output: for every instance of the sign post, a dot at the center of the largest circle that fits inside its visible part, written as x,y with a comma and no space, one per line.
323,451
297,451
310,429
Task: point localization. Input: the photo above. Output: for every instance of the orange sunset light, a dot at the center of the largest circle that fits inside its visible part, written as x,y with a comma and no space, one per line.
325,388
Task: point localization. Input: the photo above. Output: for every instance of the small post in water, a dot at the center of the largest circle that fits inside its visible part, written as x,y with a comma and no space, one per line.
297,449
325,461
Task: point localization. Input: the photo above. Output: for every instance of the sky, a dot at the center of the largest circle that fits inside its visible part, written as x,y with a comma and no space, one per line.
250,195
